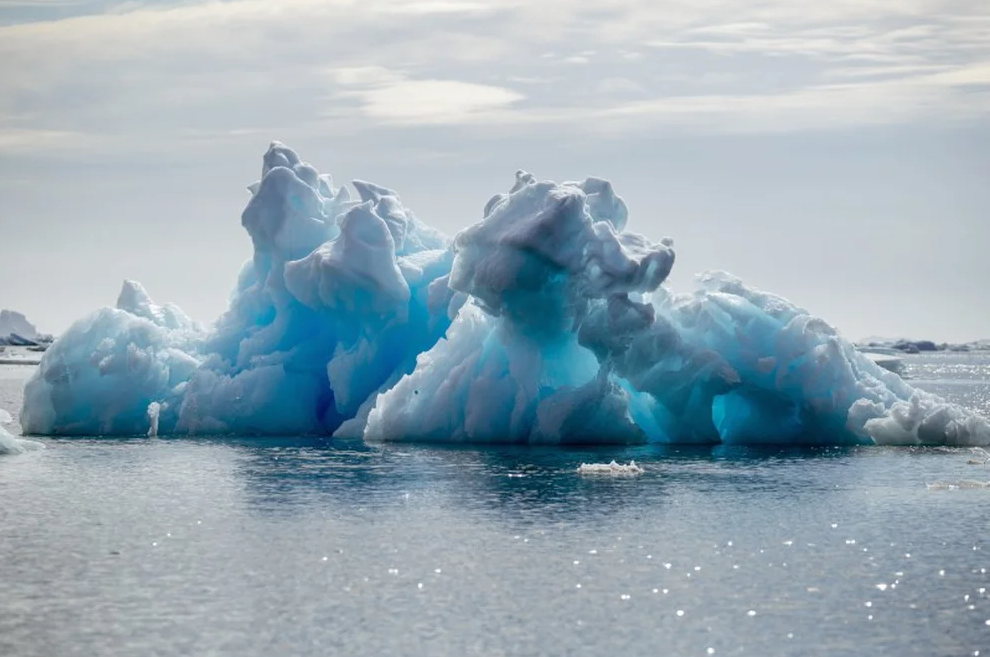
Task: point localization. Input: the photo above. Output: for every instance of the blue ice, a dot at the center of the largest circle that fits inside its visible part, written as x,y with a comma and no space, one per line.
545,322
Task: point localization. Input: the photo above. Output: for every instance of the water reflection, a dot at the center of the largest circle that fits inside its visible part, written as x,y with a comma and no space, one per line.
520,484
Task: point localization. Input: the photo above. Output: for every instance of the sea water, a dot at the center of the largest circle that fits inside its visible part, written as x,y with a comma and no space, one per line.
304,547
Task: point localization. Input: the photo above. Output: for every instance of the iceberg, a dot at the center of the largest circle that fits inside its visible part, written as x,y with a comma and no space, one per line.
547,322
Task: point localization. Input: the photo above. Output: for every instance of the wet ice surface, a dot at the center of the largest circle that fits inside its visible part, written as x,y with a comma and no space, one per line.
295,547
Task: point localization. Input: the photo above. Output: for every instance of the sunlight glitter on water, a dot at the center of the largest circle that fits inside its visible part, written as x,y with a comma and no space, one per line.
196,540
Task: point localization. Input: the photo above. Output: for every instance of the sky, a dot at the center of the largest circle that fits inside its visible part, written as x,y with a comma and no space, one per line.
835,153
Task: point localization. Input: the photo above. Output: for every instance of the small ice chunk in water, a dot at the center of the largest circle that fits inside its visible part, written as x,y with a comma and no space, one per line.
611,469
10,444
982,456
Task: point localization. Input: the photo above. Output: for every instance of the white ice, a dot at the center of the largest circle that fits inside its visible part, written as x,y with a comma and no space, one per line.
10,444
612,469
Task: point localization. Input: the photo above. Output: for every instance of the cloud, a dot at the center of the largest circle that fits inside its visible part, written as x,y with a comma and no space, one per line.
27,140
392,98
207,70
895,100
619,87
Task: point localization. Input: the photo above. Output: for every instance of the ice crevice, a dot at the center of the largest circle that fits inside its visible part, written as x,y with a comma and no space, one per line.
547,321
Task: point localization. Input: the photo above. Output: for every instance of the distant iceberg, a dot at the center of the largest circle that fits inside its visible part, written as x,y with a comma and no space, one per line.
545,322
15,322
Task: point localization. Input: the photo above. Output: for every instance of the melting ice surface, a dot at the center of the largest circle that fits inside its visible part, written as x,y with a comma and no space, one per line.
545,322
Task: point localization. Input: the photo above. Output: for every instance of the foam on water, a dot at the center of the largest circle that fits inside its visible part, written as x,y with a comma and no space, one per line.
545,322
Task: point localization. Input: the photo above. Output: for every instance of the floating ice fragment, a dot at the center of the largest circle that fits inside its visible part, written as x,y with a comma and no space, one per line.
12,445
982,456
613,468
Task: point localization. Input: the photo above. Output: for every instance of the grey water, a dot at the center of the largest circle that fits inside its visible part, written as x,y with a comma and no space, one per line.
304,547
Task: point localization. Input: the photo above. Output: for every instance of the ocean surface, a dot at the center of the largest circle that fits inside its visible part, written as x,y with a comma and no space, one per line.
301,547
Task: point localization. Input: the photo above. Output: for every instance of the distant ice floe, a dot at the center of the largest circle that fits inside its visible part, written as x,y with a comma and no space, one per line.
887,361
612,469
546,322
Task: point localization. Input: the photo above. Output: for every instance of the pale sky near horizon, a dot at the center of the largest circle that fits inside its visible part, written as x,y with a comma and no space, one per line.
835,153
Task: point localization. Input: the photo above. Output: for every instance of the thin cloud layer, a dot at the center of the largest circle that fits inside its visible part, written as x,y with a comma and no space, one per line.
392,98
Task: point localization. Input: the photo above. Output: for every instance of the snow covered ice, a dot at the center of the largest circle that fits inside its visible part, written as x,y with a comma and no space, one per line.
545,322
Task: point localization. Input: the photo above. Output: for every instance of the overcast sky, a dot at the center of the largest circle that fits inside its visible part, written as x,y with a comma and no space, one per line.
837,153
